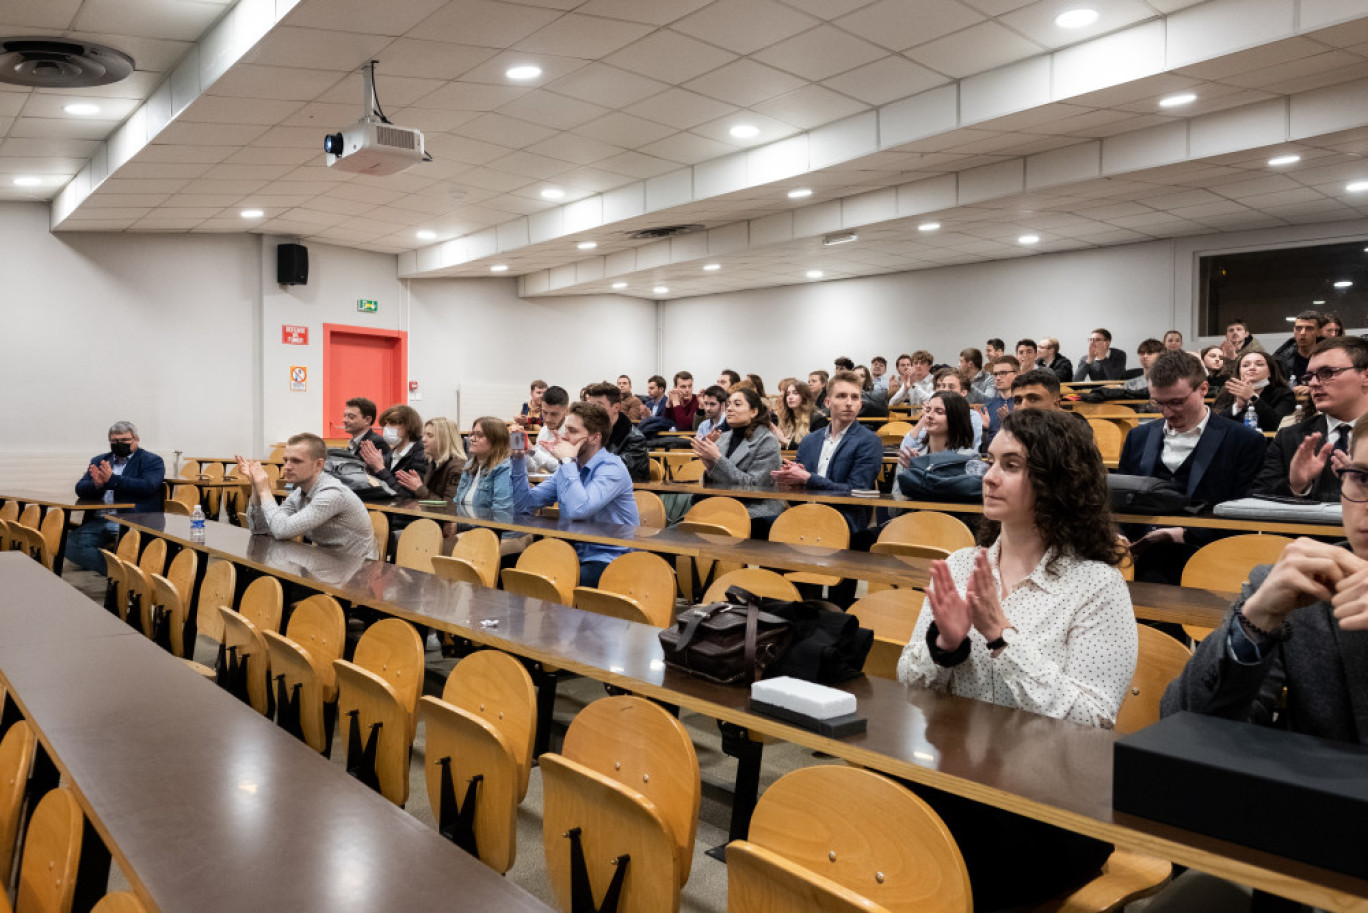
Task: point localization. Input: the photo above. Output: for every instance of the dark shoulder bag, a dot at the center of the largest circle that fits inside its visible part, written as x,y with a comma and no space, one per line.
726,642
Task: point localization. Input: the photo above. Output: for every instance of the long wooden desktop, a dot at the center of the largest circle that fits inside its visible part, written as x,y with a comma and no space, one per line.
1046,769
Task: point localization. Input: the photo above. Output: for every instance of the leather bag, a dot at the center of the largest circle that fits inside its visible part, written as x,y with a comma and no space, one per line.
726,642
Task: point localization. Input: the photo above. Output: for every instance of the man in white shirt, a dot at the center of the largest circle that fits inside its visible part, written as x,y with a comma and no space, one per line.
540,457
878,373
913,384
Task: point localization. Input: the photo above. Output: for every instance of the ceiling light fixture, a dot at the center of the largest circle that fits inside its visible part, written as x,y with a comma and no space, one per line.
711,267
1284,160
1343,283
425,235
800,193
929,226
1173,101
661,290
744,131
1029,239
587,245
1317,301
1076,18
82,108
27,182
840,237
815,274
252,213
1356,186
619,285
527,71
499,268
553,193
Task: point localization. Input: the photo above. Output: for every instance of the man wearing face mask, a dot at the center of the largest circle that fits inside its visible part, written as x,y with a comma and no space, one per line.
125,473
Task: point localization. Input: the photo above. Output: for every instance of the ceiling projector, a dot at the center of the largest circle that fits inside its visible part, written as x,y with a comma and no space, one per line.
375,148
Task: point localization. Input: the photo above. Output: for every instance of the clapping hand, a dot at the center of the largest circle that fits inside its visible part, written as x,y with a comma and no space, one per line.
1308,462
371,456
101,473
408,479
705,449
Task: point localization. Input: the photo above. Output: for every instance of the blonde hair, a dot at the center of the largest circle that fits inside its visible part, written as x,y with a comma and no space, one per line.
448,439
496,432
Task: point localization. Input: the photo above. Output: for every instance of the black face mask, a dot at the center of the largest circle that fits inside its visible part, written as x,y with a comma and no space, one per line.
121,449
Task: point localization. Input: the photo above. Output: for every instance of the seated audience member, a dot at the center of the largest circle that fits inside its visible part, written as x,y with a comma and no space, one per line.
1026,354
844,456
530,416
817,384
1050,358
1258,381
873,403
1039,389
624,385
1215,363
634,409
878,372
445,459
952,381
1173,341
980,382
1333,326
711,404
1211,458
321,509
756,383
1102,361
746,453
623,440
993,349
357,419
655,395
1292,651
1004,370
844,364
1238,340
1147,352
728,377
539,458
1295,354
796,415
400,426
1300,459
1036,617
682,405
913,384
945,424
125,473
589,484
486,483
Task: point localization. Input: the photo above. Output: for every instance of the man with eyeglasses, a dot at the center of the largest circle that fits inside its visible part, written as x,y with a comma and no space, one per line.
1211,458
1005,370
1102,361
1299,459
125,473
1298,633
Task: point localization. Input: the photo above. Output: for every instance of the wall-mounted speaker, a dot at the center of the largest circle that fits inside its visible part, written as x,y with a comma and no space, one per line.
292,264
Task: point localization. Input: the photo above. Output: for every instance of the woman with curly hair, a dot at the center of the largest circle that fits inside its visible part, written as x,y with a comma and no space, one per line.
1036,617
796,415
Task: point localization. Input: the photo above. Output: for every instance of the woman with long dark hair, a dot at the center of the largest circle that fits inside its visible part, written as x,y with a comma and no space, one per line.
747,452
1257,380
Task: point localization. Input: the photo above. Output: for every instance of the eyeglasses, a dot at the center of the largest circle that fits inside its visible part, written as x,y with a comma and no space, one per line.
1007,373
1174,403
1353,483
1325,375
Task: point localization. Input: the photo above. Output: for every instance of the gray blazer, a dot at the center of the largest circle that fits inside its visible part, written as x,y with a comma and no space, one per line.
1324,669
751,464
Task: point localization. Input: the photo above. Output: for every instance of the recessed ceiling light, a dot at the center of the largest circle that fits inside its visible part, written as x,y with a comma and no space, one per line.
587,245
712,267
1076,18
1343,283
744,131
252,213
27,182
929,226
1284,160
1317,301
1029,239
499,268
82,108
425,235
815,274
1356,186
552,193
1173,101
661,290
524,72
619,285
800,193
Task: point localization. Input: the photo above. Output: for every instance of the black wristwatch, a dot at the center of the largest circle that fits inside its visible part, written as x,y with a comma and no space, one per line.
1002,639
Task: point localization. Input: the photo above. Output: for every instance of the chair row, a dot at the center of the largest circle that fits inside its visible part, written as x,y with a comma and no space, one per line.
31,531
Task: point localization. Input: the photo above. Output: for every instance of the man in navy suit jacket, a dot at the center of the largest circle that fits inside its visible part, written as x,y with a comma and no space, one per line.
125,473
1213,459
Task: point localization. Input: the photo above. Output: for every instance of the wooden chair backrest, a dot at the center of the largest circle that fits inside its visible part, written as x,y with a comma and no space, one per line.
380,527
481,548
319,627
854,829
692,471
51,532
557,561
892,616
31,516
263,603
166,595
648,580
305,658
1225,564
190,469
892,428
419,541
458,570
120,902
727,513
9,510
533,586
757,580
640,745
811,524
216,589
657,471
650,509
52,851
182,572
153,559
175,509
497,688
186,495
277,452
928,527
1105,410
614,605
137,582
374,701
129,545
1108,438
16,761
1161,660
241,633
7,536
392,650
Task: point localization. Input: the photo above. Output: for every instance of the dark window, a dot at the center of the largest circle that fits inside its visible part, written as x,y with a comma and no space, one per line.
1267,287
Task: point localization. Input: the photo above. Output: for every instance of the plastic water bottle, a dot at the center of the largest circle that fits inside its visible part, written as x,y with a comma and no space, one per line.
1251,417
197,525
1299,414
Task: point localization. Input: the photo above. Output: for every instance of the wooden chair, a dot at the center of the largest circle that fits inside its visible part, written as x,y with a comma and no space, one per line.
650,509
175,508
52,852
302,669
380,526
165,622
16,762
260,609
638,586
120,902
50,535
1225,565
129,545
190,469
626,783
725,516
1108,437
187,496
9,510
657,471
481,548
213,497
832,838
31,516
812,524
690,471
456,569
892,433
1161,660
419,541
114,582
217,589
553,560
141,594
377,696
483,726
7,536
153,558
757,580
926,534
892,616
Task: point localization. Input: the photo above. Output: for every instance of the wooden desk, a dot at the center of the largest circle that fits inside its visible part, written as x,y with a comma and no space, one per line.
1046,769
66,501
207,805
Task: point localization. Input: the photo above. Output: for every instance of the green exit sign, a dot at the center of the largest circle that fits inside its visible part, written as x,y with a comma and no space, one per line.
366,304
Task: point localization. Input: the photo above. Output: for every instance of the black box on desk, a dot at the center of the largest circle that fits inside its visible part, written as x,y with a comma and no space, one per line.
1290,794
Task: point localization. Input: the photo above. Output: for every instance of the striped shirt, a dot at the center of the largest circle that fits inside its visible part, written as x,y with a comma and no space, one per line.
330,514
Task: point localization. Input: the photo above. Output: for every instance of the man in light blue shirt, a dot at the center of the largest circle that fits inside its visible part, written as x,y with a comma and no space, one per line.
590,484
